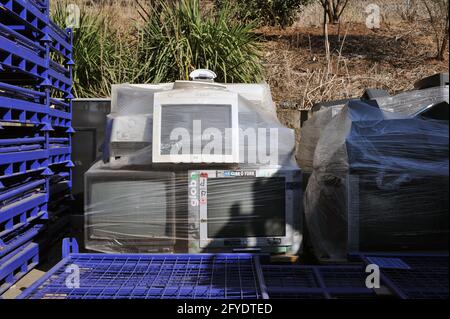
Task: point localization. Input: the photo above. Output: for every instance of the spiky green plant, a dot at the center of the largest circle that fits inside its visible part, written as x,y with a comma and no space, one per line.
174,40
178,38
101,56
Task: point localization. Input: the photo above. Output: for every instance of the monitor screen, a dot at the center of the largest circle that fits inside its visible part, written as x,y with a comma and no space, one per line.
246,207
413,216
183,116
128,209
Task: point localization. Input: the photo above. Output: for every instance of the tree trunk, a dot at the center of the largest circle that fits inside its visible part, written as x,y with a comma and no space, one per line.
335,18
442,49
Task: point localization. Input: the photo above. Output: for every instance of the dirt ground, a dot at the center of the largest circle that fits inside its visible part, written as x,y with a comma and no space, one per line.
390,58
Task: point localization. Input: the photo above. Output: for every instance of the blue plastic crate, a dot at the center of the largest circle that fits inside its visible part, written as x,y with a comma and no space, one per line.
316,282
27,37
61,41
59,154
15,265
20,39
21,212
23,105
201,276
29,18
35,88
16,57
41,4
11,191
62,118
60,79
418,276
23,162
18,238
21,111
11,145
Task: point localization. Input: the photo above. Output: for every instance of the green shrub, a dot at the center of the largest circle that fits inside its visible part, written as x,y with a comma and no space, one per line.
173,41
101,57
179,38
267,12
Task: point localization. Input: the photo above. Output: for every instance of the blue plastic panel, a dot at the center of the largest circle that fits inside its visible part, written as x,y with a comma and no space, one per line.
12,145
426,277
316,282
60,105
22,111
202,276
20,58
15,265
17,238
23,162
59,153
60,119
61,41
388,262
7,32
41,4
26,14
21,212
17,190
60,79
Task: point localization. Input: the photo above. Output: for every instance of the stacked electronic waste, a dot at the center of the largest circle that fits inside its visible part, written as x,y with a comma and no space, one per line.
35,133
155,192
378,171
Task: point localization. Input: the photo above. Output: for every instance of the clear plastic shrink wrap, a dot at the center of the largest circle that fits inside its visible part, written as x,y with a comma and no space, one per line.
135,204
379,183
408,104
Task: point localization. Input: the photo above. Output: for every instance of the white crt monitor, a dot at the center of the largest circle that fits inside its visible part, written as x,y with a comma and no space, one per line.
196,126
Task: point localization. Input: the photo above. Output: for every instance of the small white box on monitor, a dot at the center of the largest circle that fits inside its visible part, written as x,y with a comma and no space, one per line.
245,209
129,134
186,121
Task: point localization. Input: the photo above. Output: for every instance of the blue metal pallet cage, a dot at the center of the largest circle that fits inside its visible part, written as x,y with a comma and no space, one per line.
17,264
413,276
23,212
36,120
316,282
17,239
200,276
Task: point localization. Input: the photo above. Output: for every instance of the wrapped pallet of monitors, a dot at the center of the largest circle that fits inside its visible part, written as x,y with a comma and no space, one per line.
379,181
194,166
431,103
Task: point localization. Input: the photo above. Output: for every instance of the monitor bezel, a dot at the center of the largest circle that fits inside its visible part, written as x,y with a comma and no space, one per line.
198,97
160,242
198,214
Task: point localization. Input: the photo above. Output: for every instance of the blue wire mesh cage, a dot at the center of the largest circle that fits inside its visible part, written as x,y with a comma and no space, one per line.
203,276
412,276
316,282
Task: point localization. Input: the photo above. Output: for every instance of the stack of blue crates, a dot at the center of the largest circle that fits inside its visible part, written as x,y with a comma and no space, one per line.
35,130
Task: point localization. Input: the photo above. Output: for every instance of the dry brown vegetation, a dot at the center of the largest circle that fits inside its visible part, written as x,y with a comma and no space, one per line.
392,57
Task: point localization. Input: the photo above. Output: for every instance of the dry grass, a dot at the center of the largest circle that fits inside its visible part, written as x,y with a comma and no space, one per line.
122,14
391,58
296,67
